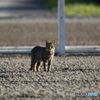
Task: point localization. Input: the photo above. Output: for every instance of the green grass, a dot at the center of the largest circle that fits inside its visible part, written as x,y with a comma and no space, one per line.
81,9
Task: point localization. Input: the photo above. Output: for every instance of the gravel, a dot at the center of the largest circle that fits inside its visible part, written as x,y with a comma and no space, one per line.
79,74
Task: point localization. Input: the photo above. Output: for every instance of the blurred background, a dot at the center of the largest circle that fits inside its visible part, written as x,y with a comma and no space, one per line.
31,22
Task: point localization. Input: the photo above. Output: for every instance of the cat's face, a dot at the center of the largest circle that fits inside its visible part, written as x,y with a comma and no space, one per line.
50,46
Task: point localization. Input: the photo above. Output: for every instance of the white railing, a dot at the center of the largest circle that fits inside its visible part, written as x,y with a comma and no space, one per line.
68,49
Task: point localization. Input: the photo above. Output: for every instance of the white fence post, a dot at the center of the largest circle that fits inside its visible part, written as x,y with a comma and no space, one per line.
61,27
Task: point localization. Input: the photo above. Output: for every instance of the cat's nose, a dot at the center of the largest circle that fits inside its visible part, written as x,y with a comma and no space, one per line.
51,47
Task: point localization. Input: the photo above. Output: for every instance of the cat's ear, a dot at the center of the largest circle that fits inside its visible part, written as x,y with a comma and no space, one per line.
46,41
54,42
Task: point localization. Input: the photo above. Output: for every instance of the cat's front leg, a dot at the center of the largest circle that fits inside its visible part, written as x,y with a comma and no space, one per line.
44,63
49,66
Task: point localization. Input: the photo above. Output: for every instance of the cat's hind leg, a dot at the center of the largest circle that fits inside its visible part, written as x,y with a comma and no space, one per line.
38,66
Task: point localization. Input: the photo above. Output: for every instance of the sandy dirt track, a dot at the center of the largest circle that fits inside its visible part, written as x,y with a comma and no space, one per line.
69,74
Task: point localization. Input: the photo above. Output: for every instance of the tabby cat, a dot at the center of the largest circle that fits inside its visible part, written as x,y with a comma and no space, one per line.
42,54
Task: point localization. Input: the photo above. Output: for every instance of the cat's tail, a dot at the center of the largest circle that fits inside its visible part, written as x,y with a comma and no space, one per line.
30,68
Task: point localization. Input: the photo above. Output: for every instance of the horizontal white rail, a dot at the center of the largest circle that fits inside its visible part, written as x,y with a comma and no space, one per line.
82,47
68,49
83,51
16,50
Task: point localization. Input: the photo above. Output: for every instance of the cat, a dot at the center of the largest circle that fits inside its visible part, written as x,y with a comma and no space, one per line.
42,54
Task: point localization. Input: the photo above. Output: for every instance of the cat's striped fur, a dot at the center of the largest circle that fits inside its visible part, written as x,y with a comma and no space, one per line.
42,54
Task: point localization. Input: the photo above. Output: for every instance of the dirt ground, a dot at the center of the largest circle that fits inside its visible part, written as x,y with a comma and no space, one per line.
36,32
78,73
